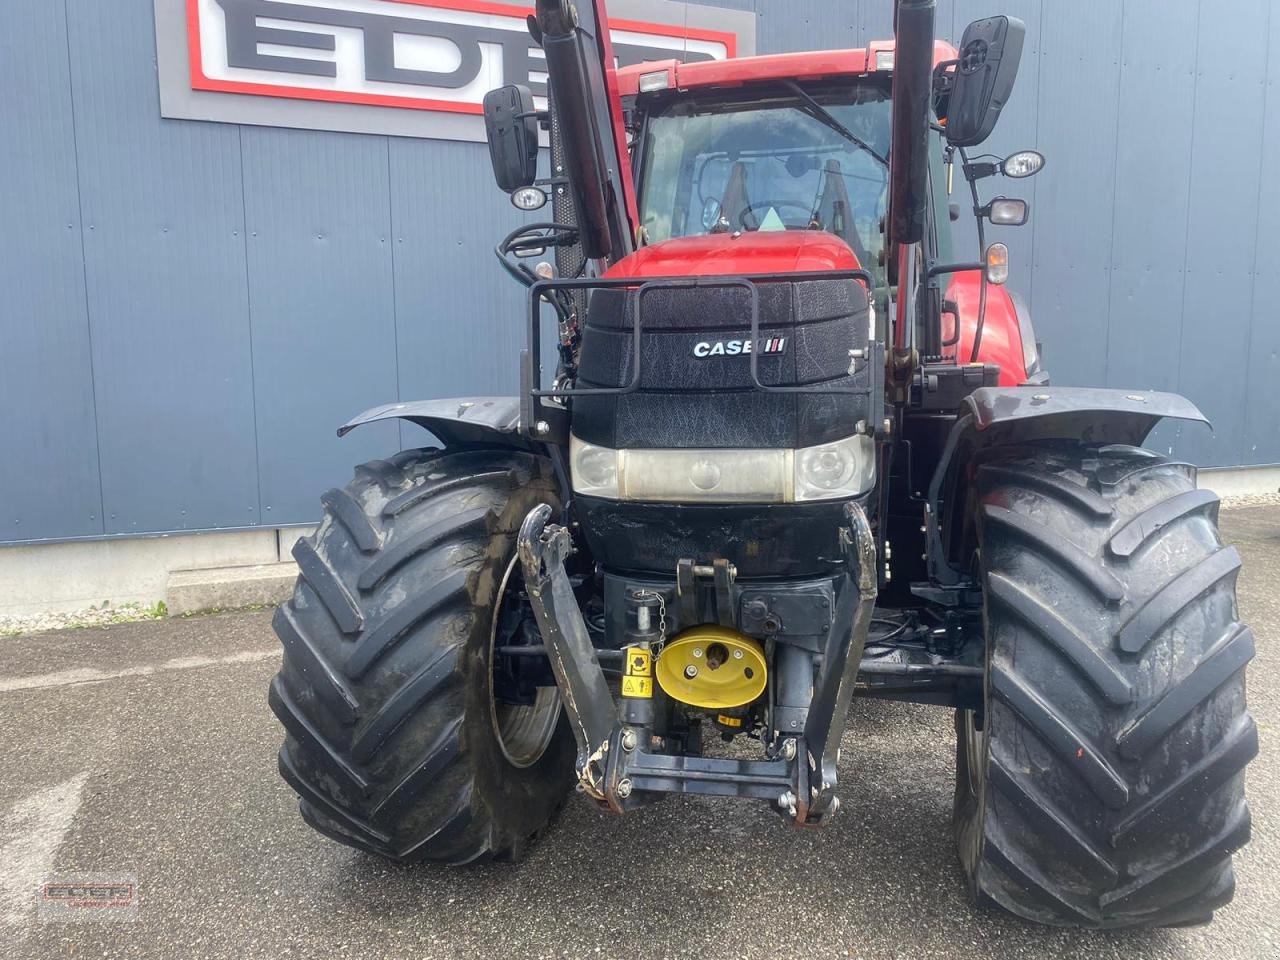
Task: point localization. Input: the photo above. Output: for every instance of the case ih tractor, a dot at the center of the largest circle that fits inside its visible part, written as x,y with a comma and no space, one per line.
793,448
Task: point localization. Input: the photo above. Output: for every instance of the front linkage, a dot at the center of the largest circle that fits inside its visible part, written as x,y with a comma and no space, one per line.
622,764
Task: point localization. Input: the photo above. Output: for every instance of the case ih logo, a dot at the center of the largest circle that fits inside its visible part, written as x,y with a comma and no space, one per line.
422,54
734,348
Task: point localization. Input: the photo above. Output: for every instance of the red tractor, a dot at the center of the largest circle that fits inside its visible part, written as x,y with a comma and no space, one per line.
793,448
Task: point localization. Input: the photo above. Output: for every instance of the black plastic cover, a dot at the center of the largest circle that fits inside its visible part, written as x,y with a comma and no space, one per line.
512,131
990,51
942,387
782,541
695,388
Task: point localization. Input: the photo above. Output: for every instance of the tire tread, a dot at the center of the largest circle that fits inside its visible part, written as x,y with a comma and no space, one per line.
395,588
1116,692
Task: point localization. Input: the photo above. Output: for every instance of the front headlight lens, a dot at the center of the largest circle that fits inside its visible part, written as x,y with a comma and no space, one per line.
824,468
829,471
595,469
837,470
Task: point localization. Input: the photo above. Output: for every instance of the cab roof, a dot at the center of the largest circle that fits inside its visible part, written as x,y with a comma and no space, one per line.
811,65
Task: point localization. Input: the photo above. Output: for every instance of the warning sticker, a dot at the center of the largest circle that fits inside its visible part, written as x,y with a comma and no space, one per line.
639,662
641,687
637,680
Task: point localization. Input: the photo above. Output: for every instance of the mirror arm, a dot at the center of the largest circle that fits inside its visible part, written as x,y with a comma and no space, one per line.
942,79
977,204
980,171
938,269
982,252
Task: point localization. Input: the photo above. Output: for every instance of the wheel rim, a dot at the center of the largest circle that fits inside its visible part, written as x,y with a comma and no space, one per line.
975,752
974,743
523,731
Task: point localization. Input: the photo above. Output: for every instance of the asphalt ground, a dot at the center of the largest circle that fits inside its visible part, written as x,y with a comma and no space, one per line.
148,750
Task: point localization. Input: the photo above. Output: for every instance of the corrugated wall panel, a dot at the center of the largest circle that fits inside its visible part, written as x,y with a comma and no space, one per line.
165,262
322,308
460,319
1261,412
220,363
1231,65
1153,164
875,20
1071,220
49,466
805,26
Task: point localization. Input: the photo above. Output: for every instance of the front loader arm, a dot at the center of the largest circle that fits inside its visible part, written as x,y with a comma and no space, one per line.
582,79
586,696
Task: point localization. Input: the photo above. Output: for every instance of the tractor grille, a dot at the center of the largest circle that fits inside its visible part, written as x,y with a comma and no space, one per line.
695,388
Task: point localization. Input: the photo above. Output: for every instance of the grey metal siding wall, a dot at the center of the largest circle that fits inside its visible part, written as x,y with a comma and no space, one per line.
189,309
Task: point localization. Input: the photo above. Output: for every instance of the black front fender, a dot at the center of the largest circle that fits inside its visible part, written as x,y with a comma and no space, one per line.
461,420
998,416
1089,414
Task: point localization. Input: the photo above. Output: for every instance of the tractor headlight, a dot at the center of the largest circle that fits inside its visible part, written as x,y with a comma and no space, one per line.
595,469
835,470
830,471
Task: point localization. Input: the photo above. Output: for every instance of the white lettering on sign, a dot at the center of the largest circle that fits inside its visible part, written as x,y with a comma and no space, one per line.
424,54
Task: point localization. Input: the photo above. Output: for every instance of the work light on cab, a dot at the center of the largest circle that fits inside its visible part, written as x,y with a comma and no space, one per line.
528,198
1024,163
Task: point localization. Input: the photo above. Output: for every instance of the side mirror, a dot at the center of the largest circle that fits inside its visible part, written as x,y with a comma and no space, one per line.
984,75
511,124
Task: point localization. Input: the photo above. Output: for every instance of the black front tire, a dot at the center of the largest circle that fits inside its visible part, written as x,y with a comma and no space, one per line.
392,739
1102,785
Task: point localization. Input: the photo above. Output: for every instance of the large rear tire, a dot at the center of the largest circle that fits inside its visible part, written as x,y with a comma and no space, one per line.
1102,785
393,740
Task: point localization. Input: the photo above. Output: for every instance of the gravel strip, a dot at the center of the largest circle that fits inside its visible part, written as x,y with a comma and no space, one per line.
89,617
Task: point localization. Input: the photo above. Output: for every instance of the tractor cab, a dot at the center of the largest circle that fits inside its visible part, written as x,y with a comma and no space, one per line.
765,161
770,144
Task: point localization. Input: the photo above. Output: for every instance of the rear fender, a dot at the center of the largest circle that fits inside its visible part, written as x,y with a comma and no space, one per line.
994,417
493,421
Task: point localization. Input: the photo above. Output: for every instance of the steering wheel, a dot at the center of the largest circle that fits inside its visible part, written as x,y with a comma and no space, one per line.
766,204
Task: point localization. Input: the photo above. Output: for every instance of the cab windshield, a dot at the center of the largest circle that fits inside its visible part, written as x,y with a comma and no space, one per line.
811,159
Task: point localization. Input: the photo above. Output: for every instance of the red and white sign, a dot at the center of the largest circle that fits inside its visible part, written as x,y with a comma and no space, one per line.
437,55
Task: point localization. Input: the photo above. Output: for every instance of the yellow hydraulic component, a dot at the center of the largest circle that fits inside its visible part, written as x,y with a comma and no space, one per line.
712,667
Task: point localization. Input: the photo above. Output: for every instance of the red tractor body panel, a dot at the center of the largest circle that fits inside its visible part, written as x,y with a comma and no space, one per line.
1001,331
723,254
778,66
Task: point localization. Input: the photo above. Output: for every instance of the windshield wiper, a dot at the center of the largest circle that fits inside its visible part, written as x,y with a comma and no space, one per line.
823,115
